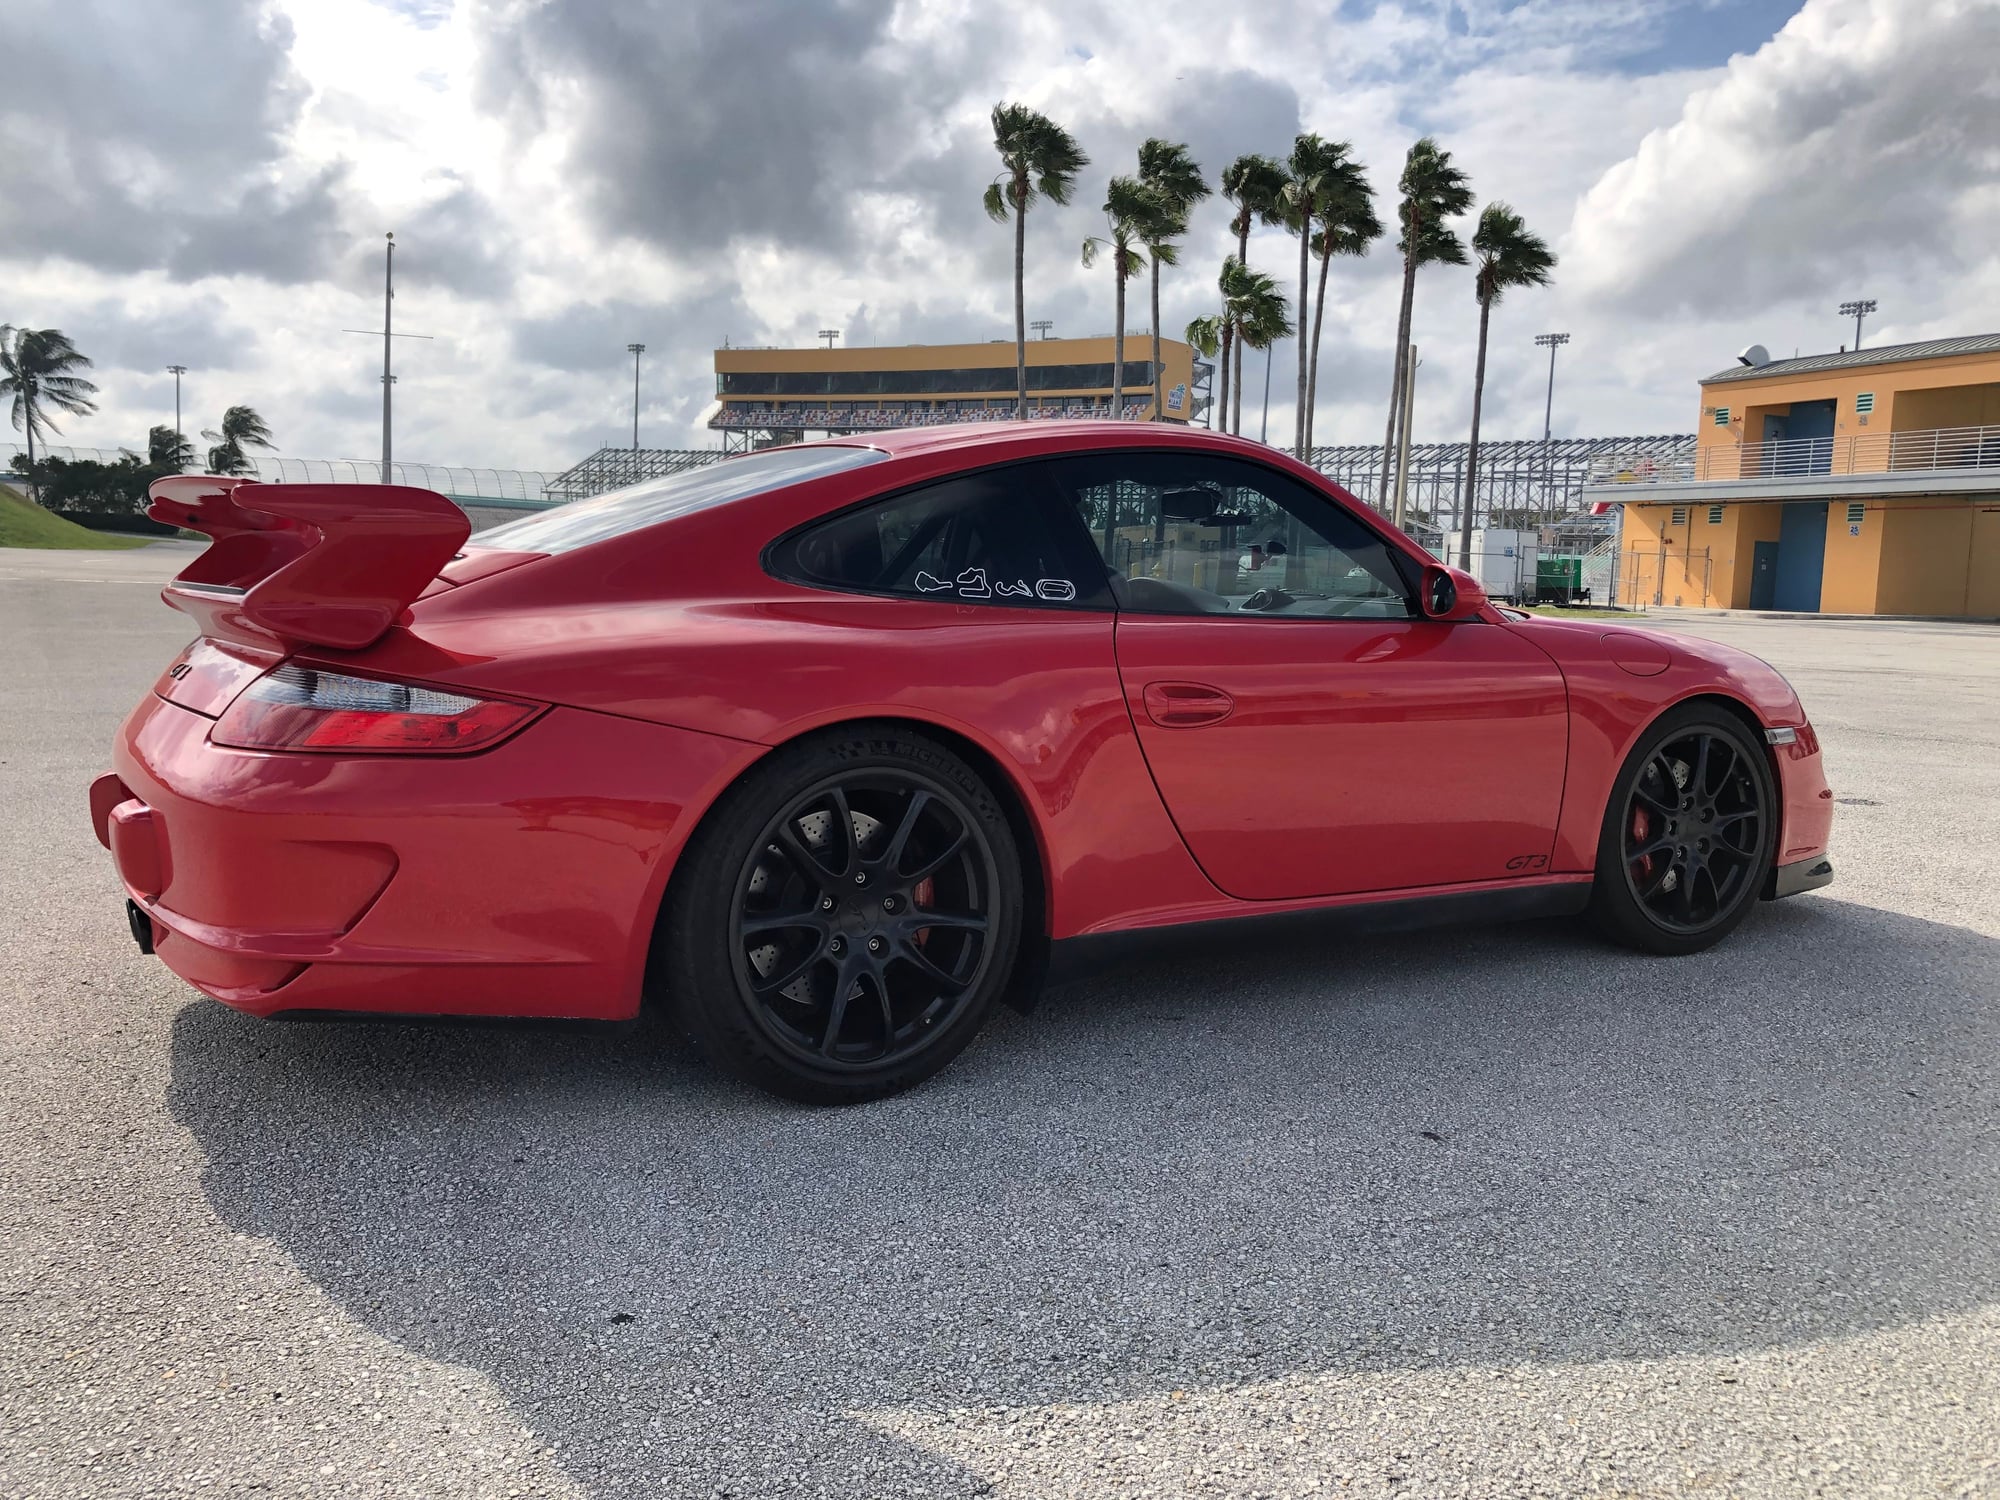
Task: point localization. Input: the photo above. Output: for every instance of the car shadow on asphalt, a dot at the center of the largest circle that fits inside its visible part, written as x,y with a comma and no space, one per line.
1481,1148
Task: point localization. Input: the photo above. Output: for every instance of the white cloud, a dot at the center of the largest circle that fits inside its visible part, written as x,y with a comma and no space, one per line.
1863,141
554,199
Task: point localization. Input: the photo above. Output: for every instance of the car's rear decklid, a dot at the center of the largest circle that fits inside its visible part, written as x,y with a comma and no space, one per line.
293,565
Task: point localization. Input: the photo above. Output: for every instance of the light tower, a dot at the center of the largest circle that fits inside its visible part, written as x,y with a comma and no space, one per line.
177,371
1857,311
1552,342
635,350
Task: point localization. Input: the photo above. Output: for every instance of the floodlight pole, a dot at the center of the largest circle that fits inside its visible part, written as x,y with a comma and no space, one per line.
1857,311
1552,342
177,371
388,378
829,334
635,350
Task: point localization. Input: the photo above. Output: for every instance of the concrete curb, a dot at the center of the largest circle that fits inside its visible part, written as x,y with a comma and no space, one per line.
1684,612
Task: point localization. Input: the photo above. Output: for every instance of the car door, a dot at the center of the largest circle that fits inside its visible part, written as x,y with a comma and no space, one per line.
1310,733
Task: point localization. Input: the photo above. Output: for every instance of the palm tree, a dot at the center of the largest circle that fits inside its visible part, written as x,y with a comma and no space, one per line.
1433,190
37,369
1254,313
1253,183
1508,255
1263,317
1346,226
1311,174
1207,335
167,449
1175,176
241,428
1038,159
1131,212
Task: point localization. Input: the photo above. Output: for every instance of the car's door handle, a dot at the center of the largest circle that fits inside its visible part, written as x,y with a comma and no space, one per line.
1186,705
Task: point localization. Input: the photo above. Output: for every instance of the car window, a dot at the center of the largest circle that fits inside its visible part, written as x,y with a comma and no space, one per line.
585,521
1195,534
989,537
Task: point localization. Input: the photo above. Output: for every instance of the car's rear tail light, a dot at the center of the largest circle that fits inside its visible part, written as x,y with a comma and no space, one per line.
299,708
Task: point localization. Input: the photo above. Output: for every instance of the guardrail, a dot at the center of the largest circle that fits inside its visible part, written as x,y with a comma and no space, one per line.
1931,449
461,482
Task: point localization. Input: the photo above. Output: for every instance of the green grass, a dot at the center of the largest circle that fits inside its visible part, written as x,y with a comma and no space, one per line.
1557,612
24,524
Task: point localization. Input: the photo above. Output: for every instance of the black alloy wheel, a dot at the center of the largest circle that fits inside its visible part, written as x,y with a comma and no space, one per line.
861,918
1688,837
845,918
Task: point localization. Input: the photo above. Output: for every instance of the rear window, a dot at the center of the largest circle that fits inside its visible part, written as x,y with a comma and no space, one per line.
639,505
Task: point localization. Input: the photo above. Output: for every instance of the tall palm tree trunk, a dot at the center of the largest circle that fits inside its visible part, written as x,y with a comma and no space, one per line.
1236,386
1402,373
1242,259
34,489
1472,448
1312,363
1222,399
1020,310
1305,274
1159,395
1118,351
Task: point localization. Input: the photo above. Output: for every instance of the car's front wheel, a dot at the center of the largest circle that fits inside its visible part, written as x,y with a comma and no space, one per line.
846,917
1689,834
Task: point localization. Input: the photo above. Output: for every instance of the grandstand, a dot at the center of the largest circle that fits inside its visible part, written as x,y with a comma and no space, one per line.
767,397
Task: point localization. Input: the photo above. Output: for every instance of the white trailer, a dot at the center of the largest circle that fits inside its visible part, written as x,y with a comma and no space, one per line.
1503,562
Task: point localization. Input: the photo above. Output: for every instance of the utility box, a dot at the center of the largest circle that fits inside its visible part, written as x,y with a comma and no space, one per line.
1559,579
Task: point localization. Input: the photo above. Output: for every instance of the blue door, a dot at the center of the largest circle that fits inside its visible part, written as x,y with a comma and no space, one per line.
1801,557
1763,574
1809,435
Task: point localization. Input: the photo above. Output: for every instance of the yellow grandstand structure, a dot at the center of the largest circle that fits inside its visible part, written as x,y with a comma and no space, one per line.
771,396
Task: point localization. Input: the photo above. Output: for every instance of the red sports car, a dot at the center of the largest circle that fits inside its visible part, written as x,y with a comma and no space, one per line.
833,747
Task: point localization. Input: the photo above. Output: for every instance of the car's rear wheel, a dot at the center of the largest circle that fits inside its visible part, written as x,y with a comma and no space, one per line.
1688,835
846,917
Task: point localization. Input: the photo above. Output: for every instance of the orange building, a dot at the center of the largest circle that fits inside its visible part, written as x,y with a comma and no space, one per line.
1862,482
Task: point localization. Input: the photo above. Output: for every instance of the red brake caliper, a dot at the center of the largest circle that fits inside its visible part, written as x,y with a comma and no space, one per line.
1641,826
920,897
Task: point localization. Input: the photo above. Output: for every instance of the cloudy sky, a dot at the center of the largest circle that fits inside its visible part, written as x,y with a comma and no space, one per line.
207,183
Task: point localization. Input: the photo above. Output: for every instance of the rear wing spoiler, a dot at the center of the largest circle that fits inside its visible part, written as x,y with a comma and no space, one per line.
305,564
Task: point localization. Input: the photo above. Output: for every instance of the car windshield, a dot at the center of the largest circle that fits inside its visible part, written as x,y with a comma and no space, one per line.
578,525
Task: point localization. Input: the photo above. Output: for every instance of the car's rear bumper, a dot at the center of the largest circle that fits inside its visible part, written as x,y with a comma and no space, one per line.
1798,877
520,881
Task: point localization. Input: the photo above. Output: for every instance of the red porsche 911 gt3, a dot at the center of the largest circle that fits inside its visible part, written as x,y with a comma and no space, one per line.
833,747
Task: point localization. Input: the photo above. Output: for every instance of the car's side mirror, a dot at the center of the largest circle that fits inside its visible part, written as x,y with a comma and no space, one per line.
1447,594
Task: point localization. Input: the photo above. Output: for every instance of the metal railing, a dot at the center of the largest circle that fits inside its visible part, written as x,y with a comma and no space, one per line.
866,418
1931,449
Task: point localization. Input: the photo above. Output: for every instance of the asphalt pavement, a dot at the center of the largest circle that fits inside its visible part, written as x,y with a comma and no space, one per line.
1496,1212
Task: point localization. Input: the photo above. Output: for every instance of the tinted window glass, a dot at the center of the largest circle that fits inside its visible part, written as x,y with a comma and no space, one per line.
988,538
1191,534
586,521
